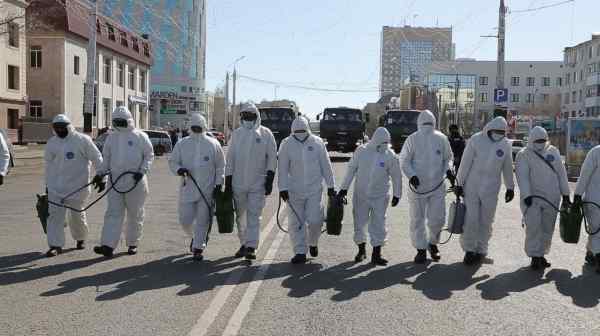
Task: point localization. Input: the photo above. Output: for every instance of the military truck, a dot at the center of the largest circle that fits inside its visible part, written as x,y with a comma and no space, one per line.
400,124
278,117
342,128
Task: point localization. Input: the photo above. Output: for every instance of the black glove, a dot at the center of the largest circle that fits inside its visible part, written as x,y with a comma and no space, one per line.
509,196
269,182
1,180
450,176
217,190
285,196
459,191
229,185
343,193
566,200
138,177
395,201
99,183
577,201
331,192
183,172
528,201
414,181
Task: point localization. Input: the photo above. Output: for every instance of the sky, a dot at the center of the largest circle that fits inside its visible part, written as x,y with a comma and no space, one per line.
335,44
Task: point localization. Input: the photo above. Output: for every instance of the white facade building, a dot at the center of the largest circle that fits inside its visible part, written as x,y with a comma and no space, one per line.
581,77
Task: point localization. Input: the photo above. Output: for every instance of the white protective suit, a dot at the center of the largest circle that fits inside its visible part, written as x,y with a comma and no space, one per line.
251,153
483,163
536,178
302,168
373,165
4,155
68,163
426,154
125,150
588,186
203,157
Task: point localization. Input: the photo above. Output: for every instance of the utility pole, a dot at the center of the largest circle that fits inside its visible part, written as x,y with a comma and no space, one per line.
456,113
234,95
90,81
501,46
226,128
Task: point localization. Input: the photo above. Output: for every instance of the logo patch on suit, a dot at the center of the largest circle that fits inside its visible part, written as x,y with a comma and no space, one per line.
550,158
382,164
258,140
206,158
130,143
500,153
70,155
438,152
310,148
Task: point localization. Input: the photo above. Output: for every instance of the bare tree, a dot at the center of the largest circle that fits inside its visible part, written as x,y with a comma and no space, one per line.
9,17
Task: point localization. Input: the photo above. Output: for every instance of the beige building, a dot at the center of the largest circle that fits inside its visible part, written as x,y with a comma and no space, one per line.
13,88
581,78
57,38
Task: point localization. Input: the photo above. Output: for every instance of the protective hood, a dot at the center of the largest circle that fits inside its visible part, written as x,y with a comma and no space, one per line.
380,136
300,123
198,120
121,112
496,124
536,133
61,119
251,108
426,117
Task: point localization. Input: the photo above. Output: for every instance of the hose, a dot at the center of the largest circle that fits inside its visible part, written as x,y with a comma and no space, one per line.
300,221
112,187
208,206
588,229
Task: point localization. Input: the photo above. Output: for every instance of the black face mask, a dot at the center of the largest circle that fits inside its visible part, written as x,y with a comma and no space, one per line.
121,123
61,131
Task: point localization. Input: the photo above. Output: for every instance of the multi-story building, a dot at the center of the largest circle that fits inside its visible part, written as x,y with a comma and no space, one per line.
467,86
581,79
177,30
57,40
407,52
13,87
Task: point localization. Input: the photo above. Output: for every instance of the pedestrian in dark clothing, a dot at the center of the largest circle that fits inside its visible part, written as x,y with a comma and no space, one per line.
457,143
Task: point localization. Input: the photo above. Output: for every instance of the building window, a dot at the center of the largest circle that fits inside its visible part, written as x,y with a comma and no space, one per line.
134,44
98,28
106,109
123,37
121,75
546,98
529,98
483,80
35,109
567,99
76,65
131,78
142,81
580,95
111,32
13,34
107,70
546,81
120,103
530,81
483,97
146,50
568,79
514,97
36,56
184,89
13,77
514,81
559,81
574,97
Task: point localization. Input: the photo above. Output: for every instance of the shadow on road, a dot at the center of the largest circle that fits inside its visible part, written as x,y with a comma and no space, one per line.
520,280
583,289
14,262
440,281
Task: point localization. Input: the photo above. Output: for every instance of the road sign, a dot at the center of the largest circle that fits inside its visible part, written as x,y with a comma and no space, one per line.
500,96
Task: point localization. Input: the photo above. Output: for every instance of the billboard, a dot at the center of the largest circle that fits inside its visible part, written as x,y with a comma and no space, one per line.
584,134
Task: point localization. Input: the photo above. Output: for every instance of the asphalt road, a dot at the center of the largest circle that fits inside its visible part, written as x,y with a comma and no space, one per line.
161,291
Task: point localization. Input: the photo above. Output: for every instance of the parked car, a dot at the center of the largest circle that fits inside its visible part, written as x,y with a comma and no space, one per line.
517,146
161,142
217,135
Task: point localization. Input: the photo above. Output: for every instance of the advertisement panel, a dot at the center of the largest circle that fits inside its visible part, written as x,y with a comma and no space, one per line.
584,134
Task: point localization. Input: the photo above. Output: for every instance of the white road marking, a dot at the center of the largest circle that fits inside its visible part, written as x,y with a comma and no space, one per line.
235,322
210,314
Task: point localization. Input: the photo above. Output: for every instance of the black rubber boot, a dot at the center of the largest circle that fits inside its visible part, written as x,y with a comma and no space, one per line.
314,251
104,250
299,259
421,257
589,258
192,246
479,257
545,262
198,255
598,263
536,263
80,245
53,251
241,252
376,258
470,258
132,250
250,253
434,252
362,253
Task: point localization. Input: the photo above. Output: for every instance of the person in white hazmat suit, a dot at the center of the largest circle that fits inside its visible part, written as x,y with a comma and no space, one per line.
4,158
373,165
488,156
200,157
540,172
249,175
68,155
588,189
426,160
303,165
128,155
